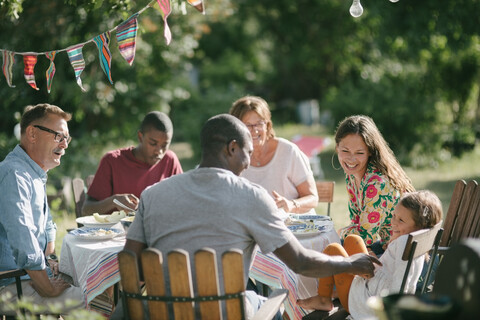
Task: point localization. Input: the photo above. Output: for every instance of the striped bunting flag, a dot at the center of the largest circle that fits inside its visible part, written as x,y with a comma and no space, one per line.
102,41
8,61
51,69
126,37
30,61
197,4
165,10
76,60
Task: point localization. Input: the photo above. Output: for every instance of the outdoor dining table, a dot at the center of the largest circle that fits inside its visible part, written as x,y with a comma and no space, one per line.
270,271
92,265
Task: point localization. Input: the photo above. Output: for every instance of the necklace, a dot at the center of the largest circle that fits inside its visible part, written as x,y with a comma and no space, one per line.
255,162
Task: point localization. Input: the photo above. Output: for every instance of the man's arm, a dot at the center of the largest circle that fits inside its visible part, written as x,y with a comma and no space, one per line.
311,263
91,206
44,286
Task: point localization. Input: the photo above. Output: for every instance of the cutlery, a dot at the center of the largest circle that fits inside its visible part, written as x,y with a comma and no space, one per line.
122,205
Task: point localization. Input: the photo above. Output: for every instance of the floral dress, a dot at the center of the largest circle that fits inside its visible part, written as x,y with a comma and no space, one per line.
370,207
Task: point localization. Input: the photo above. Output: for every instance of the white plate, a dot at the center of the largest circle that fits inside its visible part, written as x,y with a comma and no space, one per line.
314,217
87,233
90,221
302,230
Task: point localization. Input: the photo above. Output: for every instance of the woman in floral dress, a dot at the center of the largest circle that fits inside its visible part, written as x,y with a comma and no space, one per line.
375,180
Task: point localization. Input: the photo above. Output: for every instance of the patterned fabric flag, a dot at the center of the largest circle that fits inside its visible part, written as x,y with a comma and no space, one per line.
126,37
198,4
76,60
51,69
8,61
102,41
165,10
30,61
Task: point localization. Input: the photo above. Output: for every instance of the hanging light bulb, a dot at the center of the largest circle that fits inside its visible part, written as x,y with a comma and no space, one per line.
393,0
356,9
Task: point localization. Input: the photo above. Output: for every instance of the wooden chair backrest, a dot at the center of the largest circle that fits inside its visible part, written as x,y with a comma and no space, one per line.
463,215
181,284
419,243
79,192
78,195
325,190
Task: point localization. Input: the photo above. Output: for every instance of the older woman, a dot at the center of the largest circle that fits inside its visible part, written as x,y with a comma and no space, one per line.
276,164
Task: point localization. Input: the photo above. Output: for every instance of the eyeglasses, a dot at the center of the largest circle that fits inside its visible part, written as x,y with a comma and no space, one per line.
59,137
257,126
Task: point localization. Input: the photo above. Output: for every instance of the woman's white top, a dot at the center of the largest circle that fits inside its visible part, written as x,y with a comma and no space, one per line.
288,168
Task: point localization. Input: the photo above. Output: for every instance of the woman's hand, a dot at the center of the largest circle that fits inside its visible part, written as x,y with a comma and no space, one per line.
284,203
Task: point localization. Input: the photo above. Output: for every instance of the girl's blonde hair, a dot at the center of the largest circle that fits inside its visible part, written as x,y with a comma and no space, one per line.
381,156
425,206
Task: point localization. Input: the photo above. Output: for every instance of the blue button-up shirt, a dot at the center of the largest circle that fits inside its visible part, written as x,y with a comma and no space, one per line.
26,225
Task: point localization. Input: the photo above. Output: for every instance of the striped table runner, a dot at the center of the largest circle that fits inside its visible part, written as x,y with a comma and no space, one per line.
93,267
269,270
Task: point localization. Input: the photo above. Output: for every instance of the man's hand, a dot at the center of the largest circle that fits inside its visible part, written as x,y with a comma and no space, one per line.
53,266
57,287
363,264
128,199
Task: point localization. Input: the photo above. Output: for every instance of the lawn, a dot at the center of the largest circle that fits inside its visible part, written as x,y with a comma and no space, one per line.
440,179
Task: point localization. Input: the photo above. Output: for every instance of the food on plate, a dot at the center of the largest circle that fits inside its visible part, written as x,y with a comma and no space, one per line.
106,218
98,233
291,221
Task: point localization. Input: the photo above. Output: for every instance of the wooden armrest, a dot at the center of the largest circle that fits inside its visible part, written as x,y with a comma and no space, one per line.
12,273
270,307
442,250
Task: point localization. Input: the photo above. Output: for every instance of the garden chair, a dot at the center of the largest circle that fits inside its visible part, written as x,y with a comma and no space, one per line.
325,191
183,300
458,278
456,293
463,215
419,243
79,193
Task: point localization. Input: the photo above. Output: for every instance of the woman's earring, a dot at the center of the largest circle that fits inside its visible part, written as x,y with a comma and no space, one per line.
333,165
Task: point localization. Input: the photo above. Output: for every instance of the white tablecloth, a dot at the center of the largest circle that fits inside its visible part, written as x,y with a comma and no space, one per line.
93,265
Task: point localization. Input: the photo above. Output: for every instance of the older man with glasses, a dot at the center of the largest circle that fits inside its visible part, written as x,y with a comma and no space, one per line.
27,232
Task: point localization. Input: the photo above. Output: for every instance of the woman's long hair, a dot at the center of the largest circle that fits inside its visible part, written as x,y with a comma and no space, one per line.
381,156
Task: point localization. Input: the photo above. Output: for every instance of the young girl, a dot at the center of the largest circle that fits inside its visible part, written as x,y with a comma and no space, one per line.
415,211
374,179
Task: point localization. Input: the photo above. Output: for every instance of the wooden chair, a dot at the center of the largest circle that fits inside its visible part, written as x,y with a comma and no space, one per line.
418,243
78,186
463,215
79,193
183,299
325,191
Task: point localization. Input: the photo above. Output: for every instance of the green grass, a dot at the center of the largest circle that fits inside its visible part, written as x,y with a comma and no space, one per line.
439,179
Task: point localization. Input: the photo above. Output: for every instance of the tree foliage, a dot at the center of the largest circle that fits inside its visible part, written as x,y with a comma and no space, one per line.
413,66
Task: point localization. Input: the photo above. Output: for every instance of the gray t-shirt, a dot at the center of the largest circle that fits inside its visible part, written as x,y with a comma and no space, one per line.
209,207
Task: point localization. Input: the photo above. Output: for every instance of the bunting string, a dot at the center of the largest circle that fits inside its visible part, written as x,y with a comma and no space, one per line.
126,33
